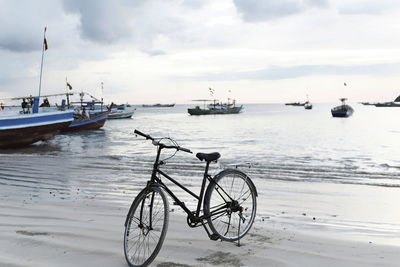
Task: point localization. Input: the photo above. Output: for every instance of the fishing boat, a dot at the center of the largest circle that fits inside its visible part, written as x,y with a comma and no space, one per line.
88,115
308,105
215,108
387,104
27,128
87,121
395,103
295,104
158,105
121,112
343,110
30,125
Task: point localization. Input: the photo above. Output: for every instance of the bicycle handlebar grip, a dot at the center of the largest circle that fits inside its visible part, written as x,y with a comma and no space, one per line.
184,149
142,134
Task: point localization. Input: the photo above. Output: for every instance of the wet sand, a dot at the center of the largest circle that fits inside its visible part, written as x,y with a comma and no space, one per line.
90,233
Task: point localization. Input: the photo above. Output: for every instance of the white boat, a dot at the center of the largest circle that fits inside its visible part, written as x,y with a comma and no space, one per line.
121,112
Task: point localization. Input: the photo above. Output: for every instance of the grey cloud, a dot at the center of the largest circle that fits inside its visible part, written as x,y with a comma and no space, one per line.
279,73
367,7
154,52
101,20
18,44
137,23
22,24
256,11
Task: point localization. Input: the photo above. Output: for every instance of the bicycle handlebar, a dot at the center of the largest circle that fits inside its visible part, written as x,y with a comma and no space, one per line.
144,135
163,146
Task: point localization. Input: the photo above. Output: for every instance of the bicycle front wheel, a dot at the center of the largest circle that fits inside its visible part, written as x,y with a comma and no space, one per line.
230,204
146,227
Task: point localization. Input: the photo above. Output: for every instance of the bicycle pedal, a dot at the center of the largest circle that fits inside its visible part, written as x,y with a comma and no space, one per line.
214,237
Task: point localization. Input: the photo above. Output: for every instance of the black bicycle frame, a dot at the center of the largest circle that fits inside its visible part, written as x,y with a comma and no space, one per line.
157,181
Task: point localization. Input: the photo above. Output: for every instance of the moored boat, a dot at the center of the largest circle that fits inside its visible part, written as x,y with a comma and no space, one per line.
25,129
158,105
387,104
343,110
121,112
215,108
295,104
87,121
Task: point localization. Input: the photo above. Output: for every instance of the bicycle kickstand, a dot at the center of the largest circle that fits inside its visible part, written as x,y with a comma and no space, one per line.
238,244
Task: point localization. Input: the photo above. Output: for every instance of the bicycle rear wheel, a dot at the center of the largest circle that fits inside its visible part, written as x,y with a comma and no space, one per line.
230,204
146,227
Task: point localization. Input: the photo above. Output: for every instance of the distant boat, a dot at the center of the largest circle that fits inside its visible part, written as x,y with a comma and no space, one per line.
121,112
295,104
343,110
158,105
387,104
25,129
215,108
367,104
308,105
395,103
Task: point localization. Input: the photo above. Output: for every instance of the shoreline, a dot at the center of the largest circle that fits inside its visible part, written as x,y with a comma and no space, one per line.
90,233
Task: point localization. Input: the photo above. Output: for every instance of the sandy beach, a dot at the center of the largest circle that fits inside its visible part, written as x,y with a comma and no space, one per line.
90,233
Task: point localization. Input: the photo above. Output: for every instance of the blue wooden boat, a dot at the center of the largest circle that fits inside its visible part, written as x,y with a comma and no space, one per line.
25,129
89,116
89,121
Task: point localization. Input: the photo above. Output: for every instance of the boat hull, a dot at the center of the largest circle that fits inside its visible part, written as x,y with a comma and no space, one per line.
387,105
95,121
26,129
342,113
158,106
120,116
199,111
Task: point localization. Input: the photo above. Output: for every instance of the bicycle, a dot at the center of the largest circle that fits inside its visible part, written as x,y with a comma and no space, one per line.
229,207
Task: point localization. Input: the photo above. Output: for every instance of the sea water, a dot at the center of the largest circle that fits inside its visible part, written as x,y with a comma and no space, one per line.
312,171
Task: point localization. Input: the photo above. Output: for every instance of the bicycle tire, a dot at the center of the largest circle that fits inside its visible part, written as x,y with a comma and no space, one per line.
142,239
228,222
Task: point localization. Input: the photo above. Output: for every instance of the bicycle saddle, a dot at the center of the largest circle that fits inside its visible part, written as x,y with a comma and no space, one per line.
208,156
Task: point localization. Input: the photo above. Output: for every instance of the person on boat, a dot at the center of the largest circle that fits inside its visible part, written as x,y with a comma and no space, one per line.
24,105
84,113
1,107
45,103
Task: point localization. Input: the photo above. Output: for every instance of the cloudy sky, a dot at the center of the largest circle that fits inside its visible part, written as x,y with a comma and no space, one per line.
151,51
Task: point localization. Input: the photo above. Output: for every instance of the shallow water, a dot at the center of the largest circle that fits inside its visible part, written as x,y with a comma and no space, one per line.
311,170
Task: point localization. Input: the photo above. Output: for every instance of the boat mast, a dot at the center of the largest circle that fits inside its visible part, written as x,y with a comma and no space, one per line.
102,96
44,46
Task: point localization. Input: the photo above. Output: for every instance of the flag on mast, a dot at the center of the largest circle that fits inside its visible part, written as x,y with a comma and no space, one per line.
46,45
69,86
